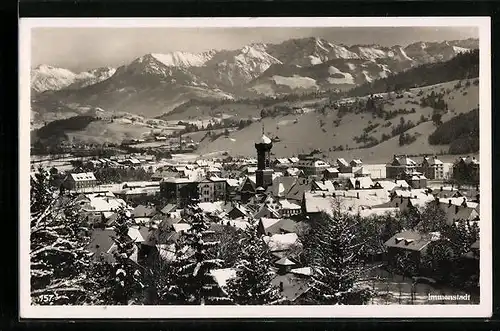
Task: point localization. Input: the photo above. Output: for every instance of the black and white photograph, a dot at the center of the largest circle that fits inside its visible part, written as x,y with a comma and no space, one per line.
328,167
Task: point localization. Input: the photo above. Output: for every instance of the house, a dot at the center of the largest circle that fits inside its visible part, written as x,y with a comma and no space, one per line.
360,183
282,163
168,209
459,209
466,169
446,192
324,185
361,172
143,211
212,189
432,168
292,285
101,241
416,180
330,173
289,188
80,181
281,242
294,172
272,226
248,188
181,191
311,166
400,165
238,211
288,208
411,244
343,166
160,174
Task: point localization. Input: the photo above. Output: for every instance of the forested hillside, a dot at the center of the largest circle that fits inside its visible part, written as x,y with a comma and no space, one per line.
461,133
463,66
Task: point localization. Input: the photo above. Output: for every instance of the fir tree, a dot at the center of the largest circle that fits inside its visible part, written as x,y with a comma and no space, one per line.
193,283
128,286
334,254
58,238
252,284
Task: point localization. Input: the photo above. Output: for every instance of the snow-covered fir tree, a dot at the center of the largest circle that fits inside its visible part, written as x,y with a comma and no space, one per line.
252,284
334,254
193,283
129,286
58,255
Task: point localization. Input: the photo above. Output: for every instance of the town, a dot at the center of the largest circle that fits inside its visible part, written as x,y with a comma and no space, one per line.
416,219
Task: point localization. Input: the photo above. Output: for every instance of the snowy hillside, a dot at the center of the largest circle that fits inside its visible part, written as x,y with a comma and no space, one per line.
48,78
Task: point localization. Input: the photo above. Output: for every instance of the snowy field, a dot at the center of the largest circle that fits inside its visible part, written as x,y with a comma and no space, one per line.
395,289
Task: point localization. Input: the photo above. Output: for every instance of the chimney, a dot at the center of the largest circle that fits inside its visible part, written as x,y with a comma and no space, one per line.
441,189
324,195
357,195
449,203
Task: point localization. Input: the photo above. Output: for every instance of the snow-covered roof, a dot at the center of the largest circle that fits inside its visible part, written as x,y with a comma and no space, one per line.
135,234
367,212
211,207
281,242
221,276
342,162
305,271
83,176
364,182
178,227
106,204
285,204
284,261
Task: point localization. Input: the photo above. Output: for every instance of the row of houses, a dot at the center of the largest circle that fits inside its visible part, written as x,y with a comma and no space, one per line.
464,168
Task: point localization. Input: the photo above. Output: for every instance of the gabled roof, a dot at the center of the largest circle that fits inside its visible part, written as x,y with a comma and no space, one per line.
410,240
342,162
143,211
83,176
264,140
281,242
294,286
284,261
331,170
168,208
403,161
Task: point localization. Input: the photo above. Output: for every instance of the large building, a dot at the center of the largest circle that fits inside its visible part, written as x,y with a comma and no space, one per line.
80,181
312,166
432,168
181,191
466,169
263,174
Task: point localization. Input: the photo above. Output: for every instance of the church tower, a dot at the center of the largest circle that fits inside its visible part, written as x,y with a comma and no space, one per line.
263,174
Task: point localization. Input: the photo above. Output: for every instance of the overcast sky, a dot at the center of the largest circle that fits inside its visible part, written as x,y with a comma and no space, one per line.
81,49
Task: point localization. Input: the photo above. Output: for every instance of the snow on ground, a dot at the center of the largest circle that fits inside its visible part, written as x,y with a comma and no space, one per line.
367,76
295,82
315,60
347,79
396,289
265,89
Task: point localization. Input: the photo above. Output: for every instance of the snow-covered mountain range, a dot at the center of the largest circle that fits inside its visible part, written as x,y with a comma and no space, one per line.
49,78
156,82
